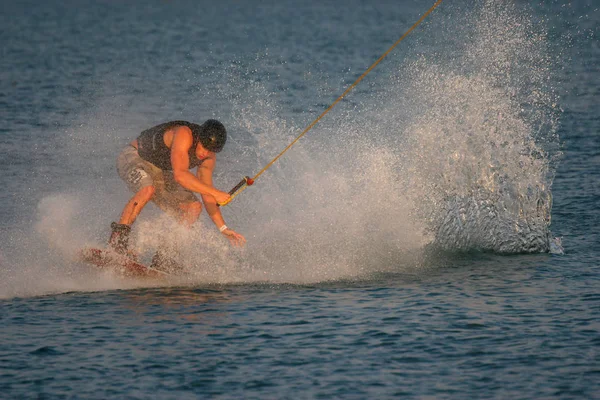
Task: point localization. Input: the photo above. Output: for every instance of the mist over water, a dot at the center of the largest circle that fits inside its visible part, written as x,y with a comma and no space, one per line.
453,148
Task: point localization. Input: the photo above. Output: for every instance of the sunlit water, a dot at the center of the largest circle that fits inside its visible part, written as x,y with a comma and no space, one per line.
409,244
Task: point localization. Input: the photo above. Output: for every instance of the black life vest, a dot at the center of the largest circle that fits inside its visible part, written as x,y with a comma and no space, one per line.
152,147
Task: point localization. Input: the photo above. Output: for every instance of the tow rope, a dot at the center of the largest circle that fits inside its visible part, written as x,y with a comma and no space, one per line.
247,181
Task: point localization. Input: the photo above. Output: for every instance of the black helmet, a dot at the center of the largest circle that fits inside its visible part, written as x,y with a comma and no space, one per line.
213,135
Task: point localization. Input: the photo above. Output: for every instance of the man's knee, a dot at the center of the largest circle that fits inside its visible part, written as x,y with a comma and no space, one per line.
191,211
146,193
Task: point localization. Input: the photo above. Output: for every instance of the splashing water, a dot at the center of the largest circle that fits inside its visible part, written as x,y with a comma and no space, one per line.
481,141
481,179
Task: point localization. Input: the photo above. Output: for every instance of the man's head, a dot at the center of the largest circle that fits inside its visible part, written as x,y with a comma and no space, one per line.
213,135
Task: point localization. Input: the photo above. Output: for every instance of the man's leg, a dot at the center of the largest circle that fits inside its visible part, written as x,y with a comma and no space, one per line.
141,178
186,213
119,238
189,213
136,204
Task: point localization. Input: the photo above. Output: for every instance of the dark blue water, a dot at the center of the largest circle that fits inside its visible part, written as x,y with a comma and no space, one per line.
434,236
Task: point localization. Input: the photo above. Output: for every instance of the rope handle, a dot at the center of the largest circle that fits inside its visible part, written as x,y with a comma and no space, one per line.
237,189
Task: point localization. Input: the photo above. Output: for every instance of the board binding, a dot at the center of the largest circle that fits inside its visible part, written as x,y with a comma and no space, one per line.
125,266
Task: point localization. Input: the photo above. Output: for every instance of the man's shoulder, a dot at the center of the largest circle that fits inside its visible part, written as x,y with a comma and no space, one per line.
208,162
180,128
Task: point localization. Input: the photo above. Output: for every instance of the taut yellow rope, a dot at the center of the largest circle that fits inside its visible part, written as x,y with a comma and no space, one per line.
249,181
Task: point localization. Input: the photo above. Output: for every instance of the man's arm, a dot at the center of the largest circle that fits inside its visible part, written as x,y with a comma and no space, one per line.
205,171
182,142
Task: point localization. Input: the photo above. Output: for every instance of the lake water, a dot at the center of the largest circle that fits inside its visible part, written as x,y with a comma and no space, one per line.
434,236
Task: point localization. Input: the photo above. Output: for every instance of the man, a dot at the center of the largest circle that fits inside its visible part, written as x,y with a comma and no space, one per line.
156,166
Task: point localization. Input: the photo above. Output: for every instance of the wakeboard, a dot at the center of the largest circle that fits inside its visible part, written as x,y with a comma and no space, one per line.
119,264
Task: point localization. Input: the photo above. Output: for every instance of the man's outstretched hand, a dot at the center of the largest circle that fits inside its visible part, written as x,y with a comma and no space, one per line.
235,238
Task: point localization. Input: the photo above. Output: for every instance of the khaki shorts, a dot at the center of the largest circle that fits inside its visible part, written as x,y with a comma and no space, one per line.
139,173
